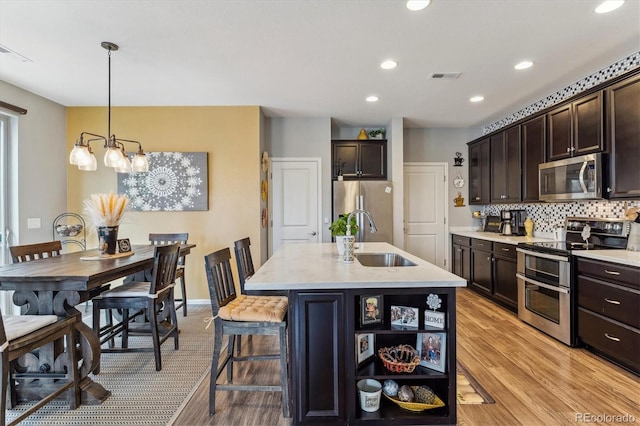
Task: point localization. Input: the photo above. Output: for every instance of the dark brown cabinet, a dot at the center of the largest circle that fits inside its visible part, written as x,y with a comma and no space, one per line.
505,266
505,166
493,271
461,256
319,373
608,303
479,172
359,159
533,153
481,266
623,138
576,128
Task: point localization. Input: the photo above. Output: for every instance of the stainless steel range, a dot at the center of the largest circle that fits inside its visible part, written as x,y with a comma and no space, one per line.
546,296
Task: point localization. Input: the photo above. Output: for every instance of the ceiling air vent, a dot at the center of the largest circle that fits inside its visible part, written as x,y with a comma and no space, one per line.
444,75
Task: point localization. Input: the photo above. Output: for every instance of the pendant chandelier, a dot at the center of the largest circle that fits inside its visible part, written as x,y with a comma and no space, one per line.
116,157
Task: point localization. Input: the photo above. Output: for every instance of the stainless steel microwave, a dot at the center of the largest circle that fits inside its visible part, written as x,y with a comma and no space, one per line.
576,178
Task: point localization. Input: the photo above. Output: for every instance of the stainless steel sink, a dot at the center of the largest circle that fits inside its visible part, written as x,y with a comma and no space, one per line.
383,259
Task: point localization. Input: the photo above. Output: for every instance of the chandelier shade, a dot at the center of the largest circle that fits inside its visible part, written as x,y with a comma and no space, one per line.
116,157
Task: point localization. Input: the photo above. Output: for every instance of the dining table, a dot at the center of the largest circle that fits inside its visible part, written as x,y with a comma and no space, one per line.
55,286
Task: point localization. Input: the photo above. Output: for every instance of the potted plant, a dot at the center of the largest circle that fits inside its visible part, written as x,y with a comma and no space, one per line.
338,230
106,212
376,134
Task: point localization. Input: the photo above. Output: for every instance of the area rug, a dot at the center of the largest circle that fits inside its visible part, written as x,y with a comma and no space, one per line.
140,395
469,390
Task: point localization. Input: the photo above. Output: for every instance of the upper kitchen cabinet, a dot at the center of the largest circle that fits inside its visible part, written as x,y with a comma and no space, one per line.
533,153
505,166
623,138
576,128
359,159
479,172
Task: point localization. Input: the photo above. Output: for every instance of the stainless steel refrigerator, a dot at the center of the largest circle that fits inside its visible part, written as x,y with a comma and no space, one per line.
375,196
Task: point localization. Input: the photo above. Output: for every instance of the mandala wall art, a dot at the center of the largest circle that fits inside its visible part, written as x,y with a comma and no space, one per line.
176,181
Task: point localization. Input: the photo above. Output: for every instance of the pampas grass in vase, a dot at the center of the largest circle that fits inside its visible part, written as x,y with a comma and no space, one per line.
106,211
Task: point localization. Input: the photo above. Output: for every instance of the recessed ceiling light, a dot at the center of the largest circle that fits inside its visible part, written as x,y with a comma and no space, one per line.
372,98
415,5
523,65
477,98
608,6
388,64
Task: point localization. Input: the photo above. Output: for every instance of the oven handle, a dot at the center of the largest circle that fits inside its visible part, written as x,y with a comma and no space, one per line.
547,286
543,255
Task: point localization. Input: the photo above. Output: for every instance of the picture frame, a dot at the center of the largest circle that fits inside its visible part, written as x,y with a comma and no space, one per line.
124,246
371,310
404,317
432,350
434,320
365,347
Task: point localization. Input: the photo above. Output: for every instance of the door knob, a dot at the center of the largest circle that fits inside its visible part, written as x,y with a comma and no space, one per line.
313,234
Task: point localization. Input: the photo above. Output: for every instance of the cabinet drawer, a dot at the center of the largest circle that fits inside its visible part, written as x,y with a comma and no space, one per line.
616,340
609,300
463,241
482,244
505,250
612,272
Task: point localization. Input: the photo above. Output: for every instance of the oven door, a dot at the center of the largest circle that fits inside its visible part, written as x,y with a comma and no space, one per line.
546,307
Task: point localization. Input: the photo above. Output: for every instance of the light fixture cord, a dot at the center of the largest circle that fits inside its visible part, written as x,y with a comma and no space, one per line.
109,108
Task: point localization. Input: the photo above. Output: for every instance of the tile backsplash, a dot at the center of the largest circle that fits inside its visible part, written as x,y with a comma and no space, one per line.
548,216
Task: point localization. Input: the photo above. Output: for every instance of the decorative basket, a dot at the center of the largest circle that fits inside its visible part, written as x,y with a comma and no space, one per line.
416,406
399,359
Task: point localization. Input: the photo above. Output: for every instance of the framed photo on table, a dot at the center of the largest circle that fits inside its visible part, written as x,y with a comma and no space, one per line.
365,347
404,318
371,308
432,349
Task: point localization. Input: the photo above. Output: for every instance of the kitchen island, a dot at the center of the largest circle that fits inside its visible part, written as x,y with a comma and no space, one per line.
328,315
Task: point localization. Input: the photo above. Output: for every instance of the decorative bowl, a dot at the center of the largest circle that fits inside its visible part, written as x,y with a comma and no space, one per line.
69,230
416,406
399,359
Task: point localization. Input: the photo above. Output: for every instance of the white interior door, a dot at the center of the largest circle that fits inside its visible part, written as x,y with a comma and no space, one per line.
295,203
425,211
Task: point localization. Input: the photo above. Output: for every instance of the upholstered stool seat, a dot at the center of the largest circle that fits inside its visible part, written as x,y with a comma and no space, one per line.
255,308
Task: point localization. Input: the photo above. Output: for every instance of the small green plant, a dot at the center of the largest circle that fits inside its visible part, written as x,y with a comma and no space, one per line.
339,226
374,133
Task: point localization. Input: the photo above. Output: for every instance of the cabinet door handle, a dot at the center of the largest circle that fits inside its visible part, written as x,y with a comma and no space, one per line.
568,149
459,250
506,249
610,337
613,302
313,234
612,272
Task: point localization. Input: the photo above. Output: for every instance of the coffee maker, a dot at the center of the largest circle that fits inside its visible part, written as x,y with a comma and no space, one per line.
512,222
505,222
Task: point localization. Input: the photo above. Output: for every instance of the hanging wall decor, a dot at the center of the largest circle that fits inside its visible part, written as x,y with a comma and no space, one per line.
176,181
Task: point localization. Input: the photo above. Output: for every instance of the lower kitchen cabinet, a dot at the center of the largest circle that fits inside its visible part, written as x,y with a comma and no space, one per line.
493,270
461,257
608,305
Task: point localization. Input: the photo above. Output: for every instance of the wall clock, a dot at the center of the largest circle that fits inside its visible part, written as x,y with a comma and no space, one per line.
458,182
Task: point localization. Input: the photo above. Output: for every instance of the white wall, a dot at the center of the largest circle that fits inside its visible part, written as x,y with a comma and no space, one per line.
441,145
39,179
305,137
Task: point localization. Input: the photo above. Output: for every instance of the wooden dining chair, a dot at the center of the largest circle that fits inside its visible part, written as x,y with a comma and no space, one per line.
239,314
244,261
29,252
159,239
22,334
154,298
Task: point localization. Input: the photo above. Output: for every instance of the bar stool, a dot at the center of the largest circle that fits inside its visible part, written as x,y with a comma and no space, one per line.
157,239
25,333
236,315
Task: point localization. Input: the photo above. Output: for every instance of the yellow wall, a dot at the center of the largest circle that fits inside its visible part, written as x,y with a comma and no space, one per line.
231,136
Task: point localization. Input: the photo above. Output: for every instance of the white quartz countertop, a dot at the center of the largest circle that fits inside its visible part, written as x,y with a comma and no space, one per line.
318,267
624,257
506,239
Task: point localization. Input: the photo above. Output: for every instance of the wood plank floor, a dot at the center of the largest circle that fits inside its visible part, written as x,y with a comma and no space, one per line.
534,379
